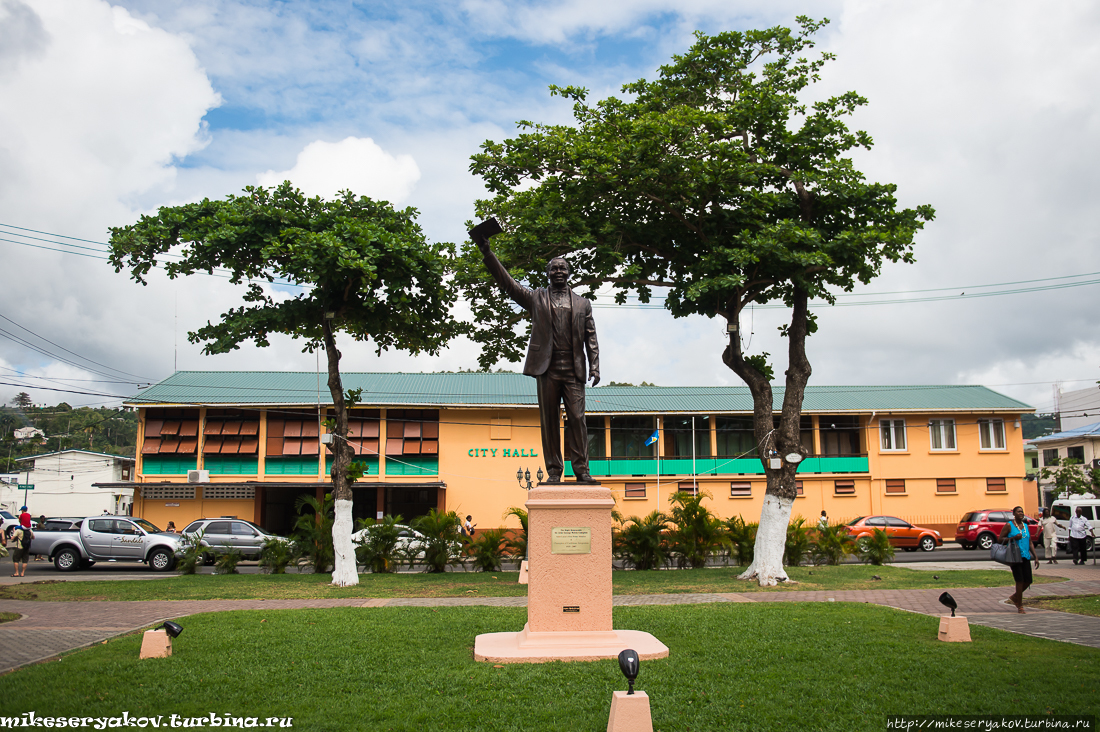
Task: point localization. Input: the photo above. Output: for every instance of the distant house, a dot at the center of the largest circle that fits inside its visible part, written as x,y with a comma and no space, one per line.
1081,444
64,484
27,433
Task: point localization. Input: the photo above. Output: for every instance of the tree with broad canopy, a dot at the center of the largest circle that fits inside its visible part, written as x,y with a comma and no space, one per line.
717,184
365,269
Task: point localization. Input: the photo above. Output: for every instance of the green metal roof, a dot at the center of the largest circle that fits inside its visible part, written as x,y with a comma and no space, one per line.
466,389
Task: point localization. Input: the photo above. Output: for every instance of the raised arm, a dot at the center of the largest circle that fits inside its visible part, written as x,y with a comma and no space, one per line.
523,296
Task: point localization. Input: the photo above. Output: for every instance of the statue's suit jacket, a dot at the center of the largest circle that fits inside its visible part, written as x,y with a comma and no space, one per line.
537,302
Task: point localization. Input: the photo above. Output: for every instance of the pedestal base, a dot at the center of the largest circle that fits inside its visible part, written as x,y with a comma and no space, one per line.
630,713
527,646
523,572
954,630
155,644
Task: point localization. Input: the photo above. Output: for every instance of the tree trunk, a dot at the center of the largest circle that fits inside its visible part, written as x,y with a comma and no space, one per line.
776,442
344,571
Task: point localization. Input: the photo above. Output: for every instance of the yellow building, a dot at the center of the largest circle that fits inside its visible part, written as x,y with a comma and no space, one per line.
454,441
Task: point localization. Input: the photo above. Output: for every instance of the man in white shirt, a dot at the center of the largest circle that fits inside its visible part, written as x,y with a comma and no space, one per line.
1079,526
1050,542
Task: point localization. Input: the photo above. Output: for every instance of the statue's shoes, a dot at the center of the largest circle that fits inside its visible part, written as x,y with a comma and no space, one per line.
584,478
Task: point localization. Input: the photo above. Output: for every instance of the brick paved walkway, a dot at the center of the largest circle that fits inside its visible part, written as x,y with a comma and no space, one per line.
51,628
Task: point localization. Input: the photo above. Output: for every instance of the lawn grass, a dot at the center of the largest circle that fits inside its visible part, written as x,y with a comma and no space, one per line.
1080,604
732,667
495,584
8,617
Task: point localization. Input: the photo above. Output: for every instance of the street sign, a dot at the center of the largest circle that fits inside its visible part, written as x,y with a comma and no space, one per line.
26,486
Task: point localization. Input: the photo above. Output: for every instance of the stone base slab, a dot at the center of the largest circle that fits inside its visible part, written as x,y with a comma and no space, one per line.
155,644
954,629
532,647
630,713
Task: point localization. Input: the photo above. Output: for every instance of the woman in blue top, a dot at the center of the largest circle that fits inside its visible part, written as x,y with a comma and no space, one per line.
1016,530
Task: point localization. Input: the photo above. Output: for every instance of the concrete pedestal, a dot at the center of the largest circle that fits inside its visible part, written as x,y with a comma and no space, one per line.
569,590
630,713
954,629
156,644
523,575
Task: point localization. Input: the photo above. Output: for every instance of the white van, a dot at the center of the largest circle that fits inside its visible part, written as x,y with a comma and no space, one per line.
1063,509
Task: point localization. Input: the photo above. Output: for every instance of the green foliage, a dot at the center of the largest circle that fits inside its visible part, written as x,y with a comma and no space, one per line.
640,542
742,538
516,544
313,530
697,533
798,542
228,560
101,429
831,544
1069,476
487,549
378,549
275,555
191,552
876,549
442,538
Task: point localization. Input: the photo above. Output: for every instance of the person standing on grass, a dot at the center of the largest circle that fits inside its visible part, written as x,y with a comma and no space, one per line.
20,545
1050,543
1078,542
1016,530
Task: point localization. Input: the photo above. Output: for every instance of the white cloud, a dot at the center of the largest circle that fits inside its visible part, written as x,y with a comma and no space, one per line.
356,164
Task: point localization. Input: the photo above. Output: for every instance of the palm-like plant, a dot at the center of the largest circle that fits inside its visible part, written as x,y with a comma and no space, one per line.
640,542
487,549
697,533
275,554
876,549
441,537
831,544
798,542
742,539
313,529
516,543
378,550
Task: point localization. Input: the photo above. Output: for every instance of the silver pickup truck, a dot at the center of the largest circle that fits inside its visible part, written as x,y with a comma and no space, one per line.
101,538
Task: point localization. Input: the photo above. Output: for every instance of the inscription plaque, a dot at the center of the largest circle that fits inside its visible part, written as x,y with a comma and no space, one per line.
571,540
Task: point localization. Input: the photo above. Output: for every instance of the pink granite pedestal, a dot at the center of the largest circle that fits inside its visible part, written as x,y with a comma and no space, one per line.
569,584
630,713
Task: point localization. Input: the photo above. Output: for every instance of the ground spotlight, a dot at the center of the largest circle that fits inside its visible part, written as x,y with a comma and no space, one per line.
173,629
628,663
947,601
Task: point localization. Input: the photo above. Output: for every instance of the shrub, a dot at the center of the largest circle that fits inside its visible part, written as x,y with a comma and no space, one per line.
191,553
516,543
640,542
487,549
831,544
313,530
275,555
876,549
442,539
378,550
742,539
798,542
697,533
227,561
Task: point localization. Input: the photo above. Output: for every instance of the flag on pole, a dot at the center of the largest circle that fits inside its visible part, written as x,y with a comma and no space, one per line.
652,438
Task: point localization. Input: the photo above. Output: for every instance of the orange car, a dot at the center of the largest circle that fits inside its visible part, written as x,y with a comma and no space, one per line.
902,533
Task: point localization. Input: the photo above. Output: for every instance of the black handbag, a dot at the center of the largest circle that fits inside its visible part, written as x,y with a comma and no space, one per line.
1006,553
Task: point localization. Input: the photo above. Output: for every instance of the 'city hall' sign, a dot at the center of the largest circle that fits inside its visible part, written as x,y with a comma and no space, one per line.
501,452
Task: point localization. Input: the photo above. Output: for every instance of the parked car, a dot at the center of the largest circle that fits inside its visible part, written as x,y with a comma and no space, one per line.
97,538
1064,509
903,534
222,534
62,523
7,519
979,529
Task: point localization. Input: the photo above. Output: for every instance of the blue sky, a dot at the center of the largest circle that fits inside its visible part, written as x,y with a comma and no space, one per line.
116,109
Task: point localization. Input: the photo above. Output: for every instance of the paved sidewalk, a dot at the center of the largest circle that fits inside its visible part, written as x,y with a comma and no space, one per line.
48,629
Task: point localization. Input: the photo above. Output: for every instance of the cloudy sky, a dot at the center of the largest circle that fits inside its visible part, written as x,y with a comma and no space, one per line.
987,111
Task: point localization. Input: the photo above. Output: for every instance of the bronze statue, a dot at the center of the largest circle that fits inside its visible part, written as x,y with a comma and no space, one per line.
562,332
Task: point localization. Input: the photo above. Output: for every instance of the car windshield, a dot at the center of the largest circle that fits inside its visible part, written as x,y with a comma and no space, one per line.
6,515
147,526
261,529
853,522
969,517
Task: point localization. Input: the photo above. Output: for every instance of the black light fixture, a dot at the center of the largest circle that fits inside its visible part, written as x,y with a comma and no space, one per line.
629,664
947,601
173,629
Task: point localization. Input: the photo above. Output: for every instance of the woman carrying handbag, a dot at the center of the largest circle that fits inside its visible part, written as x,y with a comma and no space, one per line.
1016,531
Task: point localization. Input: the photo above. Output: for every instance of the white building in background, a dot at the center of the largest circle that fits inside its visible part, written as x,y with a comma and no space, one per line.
1079,408
63,484
26,433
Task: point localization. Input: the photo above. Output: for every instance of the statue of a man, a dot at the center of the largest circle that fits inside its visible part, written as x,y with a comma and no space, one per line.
562,332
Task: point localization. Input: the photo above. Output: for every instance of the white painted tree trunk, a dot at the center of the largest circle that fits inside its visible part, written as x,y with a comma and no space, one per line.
771,538
344,571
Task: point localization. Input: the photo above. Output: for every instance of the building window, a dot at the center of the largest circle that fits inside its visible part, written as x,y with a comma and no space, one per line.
992,433
895,485
1034,462
629,435
1050,457
844,487
171,431
678,436
995,485
798,487
839,435
295,436
740,490
597,448
893,434
168,492
945,485
635,490
238,492
806,434
941,434
686,486
1076,453
735,436
412,432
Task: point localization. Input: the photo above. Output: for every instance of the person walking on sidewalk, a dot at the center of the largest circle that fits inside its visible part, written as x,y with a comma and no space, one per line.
1016,530
1079,526
20,545
1050,542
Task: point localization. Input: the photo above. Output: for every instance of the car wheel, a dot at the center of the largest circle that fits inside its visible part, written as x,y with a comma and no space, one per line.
208,559
985,541
160,560
863,544
66,560
927,544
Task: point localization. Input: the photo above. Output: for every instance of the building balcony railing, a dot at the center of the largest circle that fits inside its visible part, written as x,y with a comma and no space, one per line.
646,466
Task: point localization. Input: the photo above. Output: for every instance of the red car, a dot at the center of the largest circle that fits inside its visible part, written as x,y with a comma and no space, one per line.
902,533
981,528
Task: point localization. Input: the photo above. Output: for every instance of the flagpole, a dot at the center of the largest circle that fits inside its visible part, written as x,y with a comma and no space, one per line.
658,463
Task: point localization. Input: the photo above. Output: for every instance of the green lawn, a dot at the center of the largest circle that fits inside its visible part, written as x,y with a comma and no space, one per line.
496,584
732,667
1080,604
